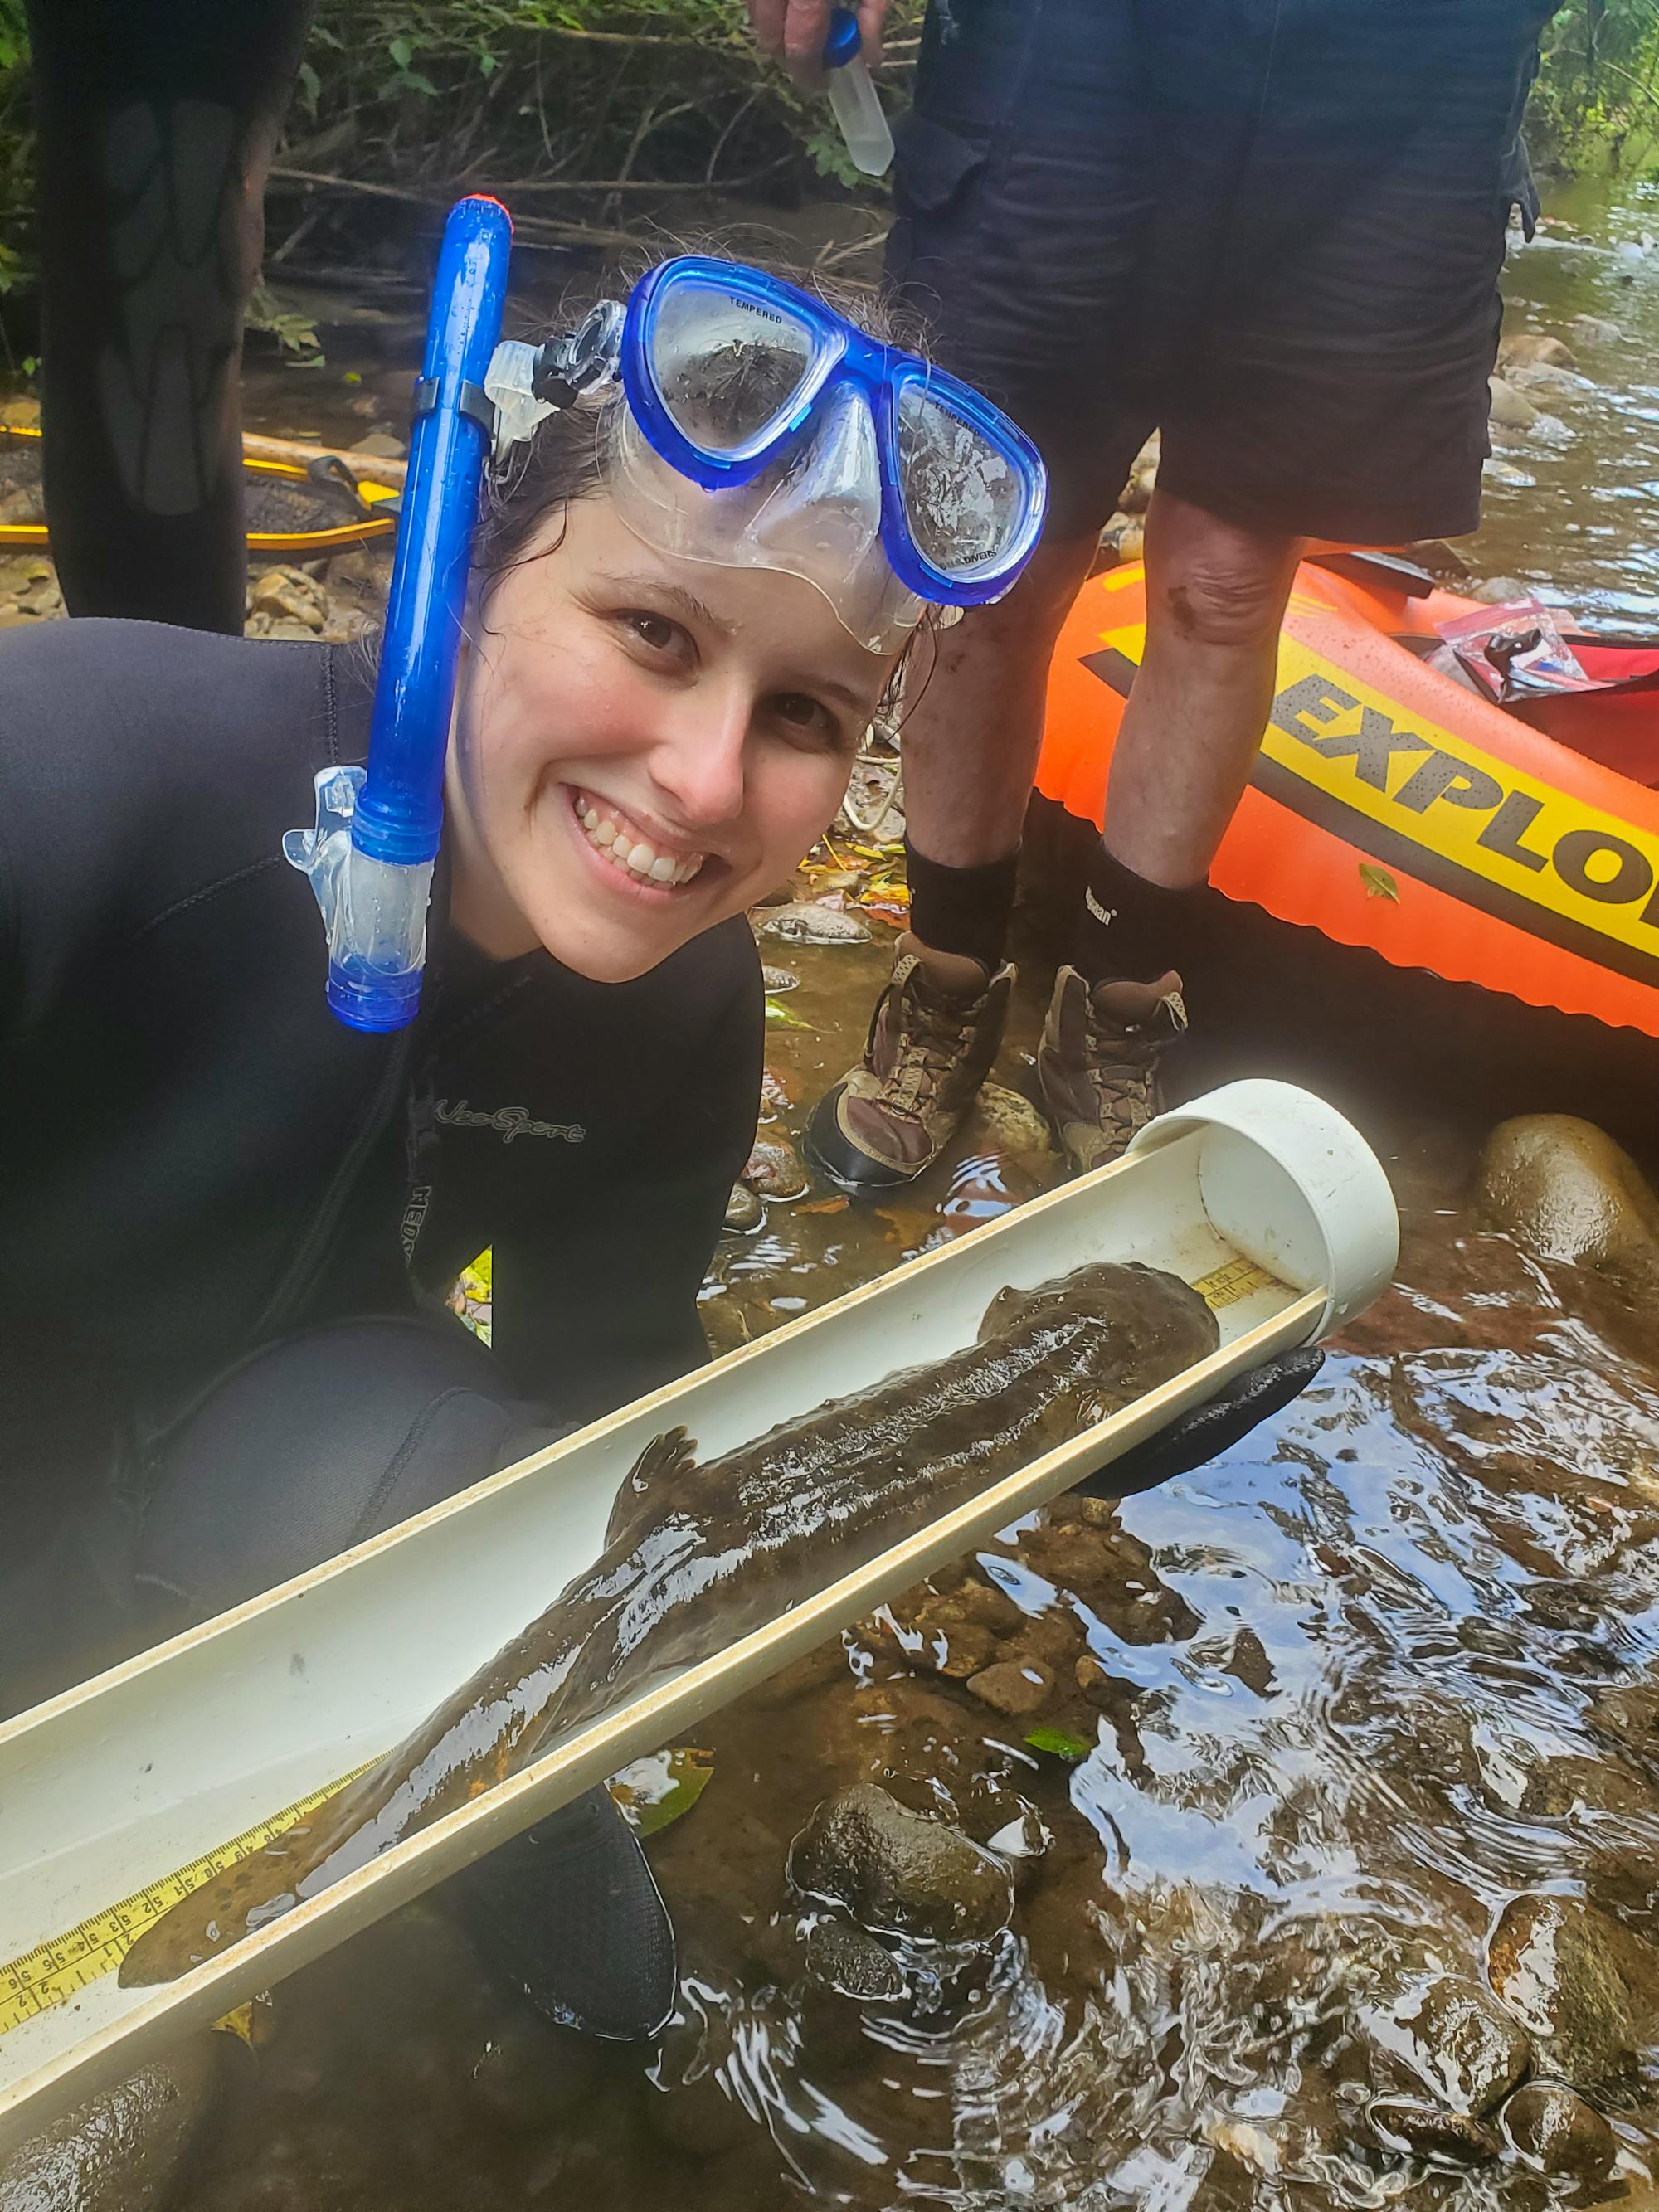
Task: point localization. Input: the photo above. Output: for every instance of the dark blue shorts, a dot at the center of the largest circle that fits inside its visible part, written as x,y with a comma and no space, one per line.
1273,229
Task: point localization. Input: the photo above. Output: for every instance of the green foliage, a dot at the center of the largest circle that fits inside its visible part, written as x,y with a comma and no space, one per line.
572,108
1058,1743
295,333
1596,101
562,104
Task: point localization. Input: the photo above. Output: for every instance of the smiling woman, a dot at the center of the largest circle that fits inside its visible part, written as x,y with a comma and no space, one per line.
229,1221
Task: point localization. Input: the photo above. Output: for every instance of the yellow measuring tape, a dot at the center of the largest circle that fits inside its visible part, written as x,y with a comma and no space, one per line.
53,1973
1228,1284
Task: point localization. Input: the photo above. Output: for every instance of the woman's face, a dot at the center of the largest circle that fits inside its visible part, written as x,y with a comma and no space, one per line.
643,745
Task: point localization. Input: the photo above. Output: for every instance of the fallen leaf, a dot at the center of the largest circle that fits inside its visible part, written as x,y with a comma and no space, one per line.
1059,1742
825,1205
1378,882
652,1792
784,1018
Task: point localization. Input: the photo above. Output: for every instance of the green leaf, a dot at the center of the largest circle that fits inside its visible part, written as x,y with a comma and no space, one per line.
401,53
784,1018
1378,882
489,64
654,1792
310,85
1059,1742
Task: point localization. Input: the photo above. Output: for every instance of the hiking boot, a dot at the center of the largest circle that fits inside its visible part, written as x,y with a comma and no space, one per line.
935,1033
1098,1063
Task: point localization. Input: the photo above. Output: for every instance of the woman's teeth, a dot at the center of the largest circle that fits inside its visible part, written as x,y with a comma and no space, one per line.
630,853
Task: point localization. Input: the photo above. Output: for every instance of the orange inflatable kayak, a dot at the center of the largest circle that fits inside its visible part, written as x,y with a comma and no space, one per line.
1391,808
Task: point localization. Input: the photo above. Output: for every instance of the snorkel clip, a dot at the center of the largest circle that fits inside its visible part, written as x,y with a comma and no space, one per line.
526,384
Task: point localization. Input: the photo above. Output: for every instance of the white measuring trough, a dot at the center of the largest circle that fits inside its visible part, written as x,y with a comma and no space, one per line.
119,1783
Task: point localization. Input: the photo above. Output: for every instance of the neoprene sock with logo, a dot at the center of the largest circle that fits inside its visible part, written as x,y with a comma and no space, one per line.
1131,930
962,910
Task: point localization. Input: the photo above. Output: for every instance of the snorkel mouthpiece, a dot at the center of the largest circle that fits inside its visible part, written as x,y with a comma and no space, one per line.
370,855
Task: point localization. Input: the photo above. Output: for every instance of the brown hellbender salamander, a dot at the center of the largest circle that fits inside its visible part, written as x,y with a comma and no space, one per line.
696,1557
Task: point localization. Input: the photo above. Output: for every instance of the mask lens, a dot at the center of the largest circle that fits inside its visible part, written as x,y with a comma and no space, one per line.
965,502
727,369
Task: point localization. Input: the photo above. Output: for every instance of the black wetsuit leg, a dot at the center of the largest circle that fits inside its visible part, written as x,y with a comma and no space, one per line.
157,121
321,1442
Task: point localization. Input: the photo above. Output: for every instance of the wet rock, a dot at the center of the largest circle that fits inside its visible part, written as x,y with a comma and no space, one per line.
122,2150
1553,383
1451,2138
1557,2131
1508,409
289,595
744,1210
1456,2037
1531,349
776,980
803,921
895,1869
849,1961
532,2073
1500,590
380,445
1125,535
1136,495
1595,329
1630,1717
774,1169
1003,1119
1554,1962
1437,557
1558,1787
937,1635
724,1324
1564,1188
992,1608
1018,1687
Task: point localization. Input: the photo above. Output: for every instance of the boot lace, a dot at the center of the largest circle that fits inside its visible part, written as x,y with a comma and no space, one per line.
933,1034
1123,1063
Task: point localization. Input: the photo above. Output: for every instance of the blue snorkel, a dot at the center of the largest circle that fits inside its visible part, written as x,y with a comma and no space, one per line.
370,855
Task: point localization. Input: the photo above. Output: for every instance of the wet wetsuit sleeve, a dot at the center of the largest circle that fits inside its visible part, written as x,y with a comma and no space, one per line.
600,1305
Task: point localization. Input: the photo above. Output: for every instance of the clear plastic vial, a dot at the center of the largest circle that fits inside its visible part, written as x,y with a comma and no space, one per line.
852,97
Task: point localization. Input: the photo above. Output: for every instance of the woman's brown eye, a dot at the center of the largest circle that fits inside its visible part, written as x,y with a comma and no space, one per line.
654,630
807,717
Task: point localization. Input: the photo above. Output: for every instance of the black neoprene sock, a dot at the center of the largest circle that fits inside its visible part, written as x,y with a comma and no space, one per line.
1131,930
964,910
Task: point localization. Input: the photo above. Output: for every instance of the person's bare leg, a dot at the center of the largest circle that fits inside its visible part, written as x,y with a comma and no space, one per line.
972,724
1215,598
973,730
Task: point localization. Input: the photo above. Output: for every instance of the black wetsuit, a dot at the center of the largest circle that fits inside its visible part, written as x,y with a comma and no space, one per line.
200,1160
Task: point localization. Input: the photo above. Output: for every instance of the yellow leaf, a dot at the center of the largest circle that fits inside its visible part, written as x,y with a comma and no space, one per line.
1378,882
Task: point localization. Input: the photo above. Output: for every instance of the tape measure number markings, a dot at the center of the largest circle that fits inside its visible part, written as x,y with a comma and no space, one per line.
56,1971
1226,1285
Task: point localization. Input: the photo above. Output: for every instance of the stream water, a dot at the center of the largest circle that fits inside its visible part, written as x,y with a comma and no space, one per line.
1342,1704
